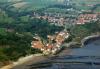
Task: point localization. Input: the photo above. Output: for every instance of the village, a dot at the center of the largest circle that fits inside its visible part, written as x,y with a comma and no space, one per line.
59,20
55,41
49,34
69,15
53,46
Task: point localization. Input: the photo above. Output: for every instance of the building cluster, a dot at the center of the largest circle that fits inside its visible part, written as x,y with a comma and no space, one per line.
86,18
55,18
54,44
60,20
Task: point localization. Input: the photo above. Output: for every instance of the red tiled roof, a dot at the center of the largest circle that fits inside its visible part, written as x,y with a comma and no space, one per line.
84,18
49,46
88,16
37,44
60,37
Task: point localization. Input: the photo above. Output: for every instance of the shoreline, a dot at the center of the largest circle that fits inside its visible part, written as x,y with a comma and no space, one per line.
29,60
24,60
38,58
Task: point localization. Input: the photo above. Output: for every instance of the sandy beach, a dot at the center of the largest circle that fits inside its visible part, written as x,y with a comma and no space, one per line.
39,59
24,63
34,60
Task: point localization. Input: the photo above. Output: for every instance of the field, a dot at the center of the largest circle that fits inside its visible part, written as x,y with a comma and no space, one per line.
97,9
27,5
86,1
85,4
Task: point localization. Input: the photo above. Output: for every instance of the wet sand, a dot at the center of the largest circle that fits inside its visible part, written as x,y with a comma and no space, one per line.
39,59
24,63
32,61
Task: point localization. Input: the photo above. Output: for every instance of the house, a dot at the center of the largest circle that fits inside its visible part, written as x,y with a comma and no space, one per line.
49,47
38,45
51,37
61,37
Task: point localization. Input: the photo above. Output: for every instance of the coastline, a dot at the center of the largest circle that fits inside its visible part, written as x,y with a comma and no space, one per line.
25,60
38,58
35,59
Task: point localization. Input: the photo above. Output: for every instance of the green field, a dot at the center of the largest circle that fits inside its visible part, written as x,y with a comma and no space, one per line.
86,1
97,9
27,5
83,4
56,10
38,4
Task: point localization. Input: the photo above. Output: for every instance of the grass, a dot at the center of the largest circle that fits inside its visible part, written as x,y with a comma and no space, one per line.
83,4
32,4
56,10
38,4
86,1
2,30
97,9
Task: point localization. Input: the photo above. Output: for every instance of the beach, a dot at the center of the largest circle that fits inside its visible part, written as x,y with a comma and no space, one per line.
25,62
